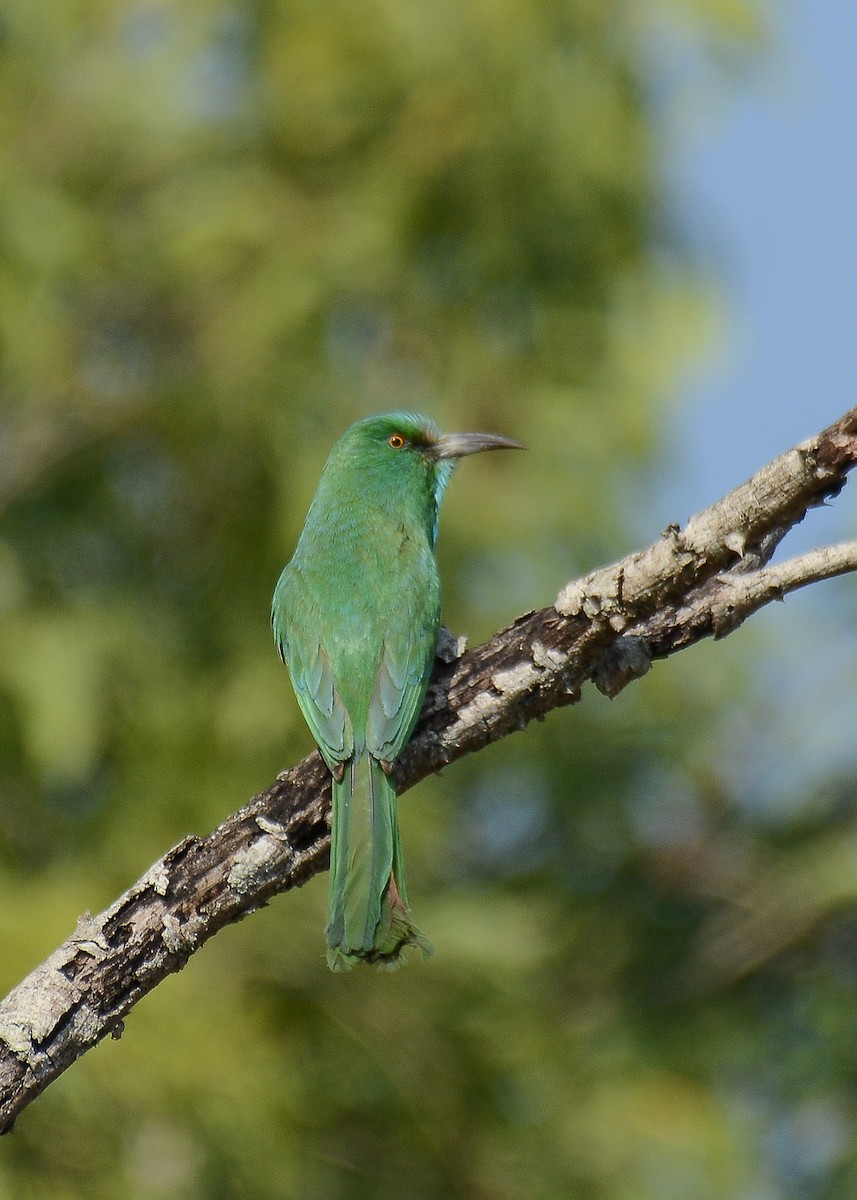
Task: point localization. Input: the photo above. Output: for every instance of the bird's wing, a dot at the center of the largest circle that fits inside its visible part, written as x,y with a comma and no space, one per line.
320,702
400,686
315,690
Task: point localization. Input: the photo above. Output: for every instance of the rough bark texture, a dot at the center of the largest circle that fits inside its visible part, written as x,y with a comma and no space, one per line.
699,581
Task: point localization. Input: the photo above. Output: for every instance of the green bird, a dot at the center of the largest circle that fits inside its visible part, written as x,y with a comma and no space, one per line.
355,616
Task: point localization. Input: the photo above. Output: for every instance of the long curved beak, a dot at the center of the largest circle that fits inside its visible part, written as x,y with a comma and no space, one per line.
457,445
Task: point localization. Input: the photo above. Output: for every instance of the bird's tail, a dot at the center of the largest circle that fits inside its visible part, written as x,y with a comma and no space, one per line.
369,919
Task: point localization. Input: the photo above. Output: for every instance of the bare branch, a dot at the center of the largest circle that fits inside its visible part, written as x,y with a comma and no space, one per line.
746,593
695,582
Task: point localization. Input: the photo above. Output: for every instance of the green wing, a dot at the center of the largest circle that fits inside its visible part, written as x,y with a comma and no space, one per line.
400,687
342,688
312,679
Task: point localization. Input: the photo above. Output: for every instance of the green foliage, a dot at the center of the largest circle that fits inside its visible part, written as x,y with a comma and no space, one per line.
225,233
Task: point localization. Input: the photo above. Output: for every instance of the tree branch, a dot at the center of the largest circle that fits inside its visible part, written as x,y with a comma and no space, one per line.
699,581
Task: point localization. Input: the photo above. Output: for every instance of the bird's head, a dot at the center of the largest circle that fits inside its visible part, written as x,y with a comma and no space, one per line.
397,462
403,435
407,454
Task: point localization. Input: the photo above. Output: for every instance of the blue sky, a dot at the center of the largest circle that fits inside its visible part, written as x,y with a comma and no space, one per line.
770,182
766,179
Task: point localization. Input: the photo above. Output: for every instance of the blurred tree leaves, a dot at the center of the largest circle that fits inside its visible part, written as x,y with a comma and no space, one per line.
226,231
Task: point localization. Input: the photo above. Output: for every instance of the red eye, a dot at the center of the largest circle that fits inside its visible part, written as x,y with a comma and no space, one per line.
395,441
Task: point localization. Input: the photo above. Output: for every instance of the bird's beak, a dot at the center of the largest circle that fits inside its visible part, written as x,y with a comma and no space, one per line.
457,445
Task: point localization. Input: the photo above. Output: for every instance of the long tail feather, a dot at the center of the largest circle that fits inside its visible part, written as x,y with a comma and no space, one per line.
369,919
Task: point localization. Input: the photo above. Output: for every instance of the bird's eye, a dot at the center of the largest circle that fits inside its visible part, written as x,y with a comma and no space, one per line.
395,441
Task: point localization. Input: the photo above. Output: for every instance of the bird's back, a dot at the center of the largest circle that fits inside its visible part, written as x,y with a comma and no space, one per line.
363,590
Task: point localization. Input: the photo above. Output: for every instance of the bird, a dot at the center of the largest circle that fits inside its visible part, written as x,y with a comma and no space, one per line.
355,618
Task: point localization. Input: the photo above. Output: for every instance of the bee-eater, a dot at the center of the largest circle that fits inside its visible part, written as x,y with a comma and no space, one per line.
355,616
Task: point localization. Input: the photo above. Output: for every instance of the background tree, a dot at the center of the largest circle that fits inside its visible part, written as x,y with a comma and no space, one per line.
227,231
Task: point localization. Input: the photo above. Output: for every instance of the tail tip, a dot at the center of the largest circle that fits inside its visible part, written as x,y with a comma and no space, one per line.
414,947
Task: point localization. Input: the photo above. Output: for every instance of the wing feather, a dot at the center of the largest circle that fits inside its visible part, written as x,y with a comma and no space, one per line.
321,703
397,698
312,679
